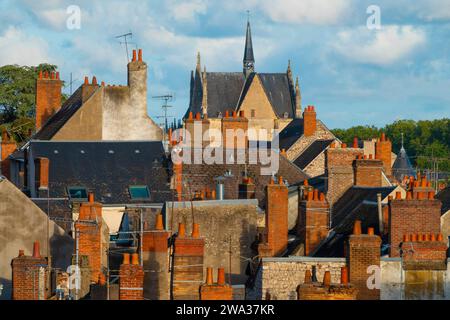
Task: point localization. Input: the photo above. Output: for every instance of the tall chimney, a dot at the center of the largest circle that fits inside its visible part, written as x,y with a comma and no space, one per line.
48,97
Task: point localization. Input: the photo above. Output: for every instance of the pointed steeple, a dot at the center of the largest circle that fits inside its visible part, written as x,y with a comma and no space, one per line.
198,67
298,100
205,93
249,58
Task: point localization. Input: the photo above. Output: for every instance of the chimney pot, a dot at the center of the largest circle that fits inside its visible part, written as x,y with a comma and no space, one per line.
308,276
305,182
181,230
398,195
406,238
86,80
409,195
227,114
140,55
241,114
159,222
221,276
91,197
440,237
414,237
310,196
234,114
134,55
36,250
280,181
94,81
327,279
357,227
431,195
195,230
191,116
433,237
135,259
21,253
126,258
46,75
57,75
322,197
371,231
40,74
209,276
355,142
198,116
344,146
383,137
344,276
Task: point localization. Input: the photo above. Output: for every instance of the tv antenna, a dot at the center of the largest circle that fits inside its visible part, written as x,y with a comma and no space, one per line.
166,98
126,42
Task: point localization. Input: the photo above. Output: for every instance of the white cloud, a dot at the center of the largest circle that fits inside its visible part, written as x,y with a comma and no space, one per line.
322,12
186,10
16,47
382,47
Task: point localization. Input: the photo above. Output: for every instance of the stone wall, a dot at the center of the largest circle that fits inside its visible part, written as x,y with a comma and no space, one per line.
281,276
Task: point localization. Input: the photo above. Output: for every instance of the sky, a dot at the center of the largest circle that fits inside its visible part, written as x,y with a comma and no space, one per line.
353,74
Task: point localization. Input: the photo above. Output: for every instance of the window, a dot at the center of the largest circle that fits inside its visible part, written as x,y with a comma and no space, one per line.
139,192
253,113
77,193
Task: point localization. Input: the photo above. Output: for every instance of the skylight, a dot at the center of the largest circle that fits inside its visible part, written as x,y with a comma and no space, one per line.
77,193
139,192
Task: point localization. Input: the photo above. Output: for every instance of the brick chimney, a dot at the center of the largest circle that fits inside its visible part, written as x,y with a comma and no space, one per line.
88,88
276,229
8,146
29,276
339,171
247,189
424,251
363,251
178,180
383,152
131,278
216,291
368,172
309,121
42,166
88,231
233,125
188,258
313,220
48,97
155,256
412,216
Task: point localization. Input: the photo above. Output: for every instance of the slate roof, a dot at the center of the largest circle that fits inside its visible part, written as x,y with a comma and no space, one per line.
311,152
291,133
107,168
57,121
354,197
226,91
402,166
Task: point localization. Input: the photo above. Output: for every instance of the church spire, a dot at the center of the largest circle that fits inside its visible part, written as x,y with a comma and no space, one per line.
198,67
249,59
298,101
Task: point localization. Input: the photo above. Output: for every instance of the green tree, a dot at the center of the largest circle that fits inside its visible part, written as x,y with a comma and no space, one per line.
17,97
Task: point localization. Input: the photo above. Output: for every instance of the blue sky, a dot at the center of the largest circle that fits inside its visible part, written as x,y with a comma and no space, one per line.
352,75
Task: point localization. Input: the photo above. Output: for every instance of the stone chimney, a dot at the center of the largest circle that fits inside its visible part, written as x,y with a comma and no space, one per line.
137,82
48,97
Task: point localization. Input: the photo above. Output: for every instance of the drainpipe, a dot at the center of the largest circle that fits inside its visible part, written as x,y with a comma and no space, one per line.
380,214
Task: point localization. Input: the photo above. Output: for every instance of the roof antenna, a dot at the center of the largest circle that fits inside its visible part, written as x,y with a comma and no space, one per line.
126,42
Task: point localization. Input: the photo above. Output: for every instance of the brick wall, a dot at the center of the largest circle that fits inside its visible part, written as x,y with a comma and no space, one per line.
313,221
29,276
131,278
188,262
412,216
48,97
276,229
368,172
363,251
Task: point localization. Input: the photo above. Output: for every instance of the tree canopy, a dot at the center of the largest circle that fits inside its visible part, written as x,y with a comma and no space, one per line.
423,140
